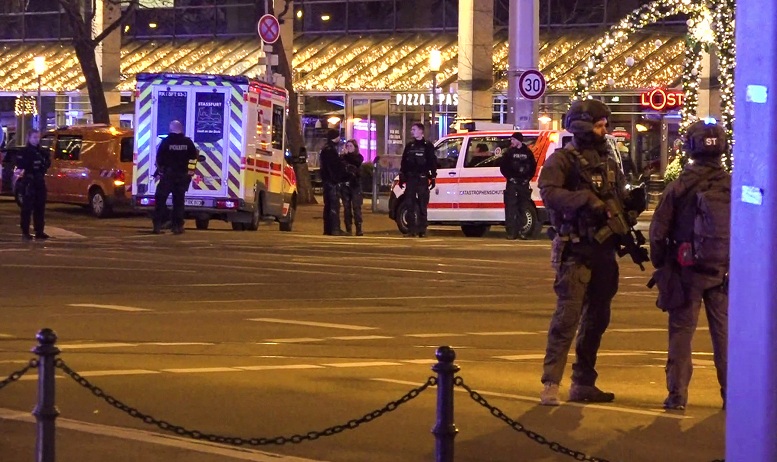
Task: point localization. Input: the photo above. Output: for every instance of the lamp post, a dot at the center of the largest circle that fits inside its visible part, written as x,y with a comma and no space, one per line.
39,65
435,62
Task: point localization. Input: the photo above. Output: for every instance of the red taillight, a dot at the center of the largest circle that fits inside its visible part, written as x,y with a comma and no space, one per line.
119,175
227,204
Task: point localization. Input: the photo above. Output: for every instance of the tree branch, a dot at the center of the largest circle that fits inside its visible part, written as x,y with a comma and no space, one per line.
92,13
115,24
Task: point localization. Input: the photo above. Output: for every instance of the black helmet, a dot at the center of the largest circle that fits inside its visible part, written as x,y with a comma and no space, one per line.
705,138
582,116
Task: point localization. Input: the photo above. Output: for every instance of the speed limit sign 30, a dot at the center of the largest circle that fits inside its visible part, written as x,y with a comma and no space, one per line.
531,84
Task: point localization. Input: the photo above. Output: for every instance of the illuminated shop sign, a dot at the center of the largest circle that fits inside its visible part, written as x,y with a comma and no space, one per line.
660,99
425,99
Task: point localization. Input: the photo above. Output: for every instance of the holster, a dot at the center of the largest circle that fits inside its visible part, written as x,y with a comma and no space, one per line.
668,280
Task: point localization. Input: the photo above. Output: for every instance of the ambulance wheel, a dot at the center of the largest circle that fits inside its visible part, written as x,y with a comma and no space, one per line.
255,219
287,223
533,227
98,204
401,217
475,230
238,226
202,223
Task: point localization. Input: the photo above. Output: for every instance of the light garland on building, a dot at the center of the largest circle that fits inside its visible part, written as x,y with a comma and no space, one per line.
25,105
725,41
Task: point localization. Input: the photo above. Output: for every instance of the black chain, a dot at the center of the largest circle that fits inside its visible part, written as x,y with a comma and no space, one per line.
536,437
236,441
18,374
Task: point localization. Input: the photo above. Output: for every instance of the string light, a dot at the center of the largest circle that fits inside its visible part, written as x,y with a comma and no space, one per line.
25,105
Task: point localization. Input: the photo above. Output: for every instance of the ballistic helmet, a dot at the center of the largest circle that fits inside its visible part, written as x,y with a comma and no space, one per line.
582,116
705,138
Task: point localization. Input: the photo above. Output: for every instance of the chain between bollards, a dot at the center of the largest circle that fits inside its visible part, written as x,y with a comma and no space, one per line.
445,430
45,411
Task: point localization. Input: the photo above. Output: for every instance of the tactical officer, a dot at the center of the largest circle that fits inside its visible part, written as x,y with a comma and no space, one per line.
175,153
351,189
672,245
573,184
332,174
418,171
517,166
33,162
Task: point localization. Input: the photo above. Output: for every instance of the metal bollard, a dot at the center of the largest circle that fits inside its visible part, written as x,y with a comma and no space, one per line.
46,411
445,430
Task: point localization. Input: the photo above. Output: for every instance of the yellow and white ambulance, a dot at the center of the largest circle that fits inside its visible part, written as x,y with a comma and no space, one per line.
239,128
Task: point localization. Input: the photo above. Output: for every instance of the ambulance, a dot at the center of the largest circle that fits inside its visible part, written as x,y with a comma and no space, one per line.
239,128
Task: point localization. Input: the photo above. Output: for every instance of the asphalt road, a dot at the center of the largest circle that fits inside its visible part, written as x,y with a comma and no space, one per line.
261,334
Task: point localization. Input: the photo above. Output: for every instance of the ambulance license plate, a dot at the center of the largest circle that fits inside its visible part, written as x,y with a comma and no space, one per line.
194,202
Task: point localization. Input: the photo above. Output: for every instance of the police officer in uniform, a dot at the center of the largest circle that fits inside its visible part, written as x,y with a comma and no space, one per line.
571,185
332,174
418,173
33,161
175,153
351,190
518,166
705,143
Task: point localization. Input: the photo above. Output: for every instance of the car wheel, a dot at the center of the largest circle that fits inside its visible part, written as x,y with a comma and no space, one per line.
533,227
401,217
98,205
202,223
475,230
255,219
287,224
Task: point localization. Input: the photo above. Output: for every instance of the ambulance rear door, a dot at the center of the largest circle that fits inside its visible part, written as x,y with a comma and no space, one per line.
202,110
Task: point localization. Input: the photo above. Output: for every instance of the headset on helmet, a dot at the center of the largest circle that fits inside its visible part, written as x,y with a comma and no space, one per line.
705,138
583,114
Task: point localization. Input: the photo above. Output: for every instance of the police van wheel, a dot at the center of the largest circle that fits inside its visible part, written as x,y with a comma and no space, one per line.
533,227
238,226
201,223
98,204
401,217
288,223
475,230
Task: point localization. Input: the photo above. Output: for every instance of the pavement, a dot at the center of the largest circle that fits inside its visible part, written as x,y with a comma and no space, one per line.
261,334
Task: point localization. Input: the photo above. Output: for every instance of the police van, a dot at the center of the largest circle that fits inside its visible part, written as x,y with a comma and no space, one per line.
469,190
238,126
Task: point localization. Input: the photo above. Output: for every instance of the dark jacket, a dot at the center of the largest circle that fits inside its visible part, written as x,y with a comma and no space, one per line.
174,154
353,166
332,168
518,163
418,159
567,190
34,161
662,224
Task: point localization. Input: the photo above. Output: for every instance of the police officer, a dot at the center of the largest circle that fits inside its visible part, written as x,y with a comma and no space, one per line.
175,153
33,162
517,166
418,173
351,189
332,174
705,143
571,184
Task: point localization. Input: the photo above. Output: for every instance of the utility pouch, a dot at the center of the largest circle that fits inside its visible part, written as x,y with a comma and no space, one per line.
557,249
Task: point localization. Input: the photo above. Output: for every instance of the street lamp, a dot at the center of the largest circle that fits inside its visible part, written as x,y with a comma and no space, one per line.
435,62
39,65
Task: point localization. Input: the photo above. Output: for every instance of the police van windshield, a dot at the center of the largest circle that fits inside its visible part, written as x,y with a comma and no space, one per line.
485,151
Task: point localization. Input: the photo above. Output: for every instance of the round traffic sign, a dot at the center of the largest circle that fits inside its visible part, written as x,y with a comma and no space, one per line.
532,84
269,28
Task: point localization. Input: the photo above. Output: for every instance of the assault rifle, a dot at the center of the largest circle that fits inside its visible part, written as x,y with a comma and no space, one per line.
621,224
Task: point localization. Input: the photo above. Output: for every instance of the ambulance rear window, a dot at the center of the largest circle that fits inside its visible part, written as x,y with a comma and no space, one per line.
277,126
127,145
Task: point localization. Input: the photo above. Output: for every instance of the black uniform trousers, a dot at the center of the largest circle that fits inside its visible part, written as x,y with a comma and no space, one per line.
331,208
33,204
417,197
682,325
177,185
517,200
351,194
585,285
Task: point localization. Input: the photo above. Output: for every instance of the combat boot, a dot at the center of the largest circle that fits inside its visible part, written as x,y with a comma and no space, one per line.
359,231
589,394
348,229
549,395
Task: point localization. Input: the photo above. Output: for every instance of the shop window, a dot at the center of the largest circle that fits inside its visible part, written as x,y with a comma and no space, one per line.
68,147
447,153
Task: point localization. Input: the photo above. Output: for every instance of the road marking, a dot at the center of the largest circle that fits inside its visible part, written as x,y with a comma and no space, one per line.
637,331
495,334
535,400
361,337
521,357
228,284
199,370
290,367
84,346
160,439
353,299
599,355
177,344
435,335
117,373
6,336
59,233
130,309
98,268
312,324
291,340
363,364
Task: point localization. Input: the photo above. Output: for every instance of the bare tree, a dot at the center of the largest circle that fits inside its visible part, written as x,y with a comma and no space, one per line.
81,15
